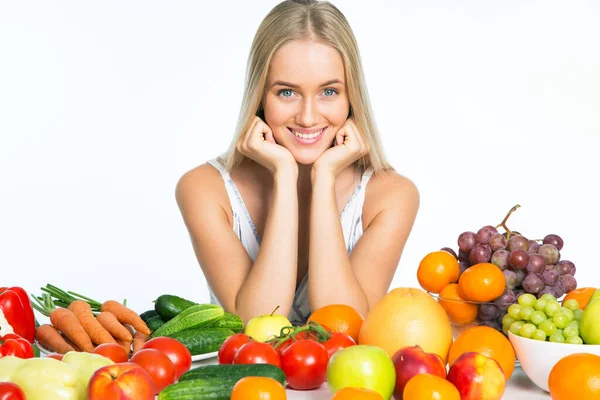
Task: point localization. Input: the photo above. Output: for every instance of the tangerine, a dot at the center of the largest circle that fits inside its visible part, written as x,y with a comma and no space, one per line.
582,295
356,393
429,387
339,318
258,388
407,317
461,312
576,376
482,282
436,270
487,341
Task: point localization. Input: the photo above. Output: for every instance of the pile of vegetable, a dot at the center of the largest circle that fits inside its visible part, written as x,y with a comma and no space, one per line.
80,323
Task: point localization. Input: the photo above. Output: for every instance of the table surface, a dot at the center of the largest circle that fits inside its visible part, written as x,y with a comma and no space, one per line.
519,387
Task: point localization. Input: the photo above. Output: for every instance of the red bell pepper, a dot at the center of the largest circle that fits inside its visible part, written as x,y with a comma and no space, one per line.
13,345
17,309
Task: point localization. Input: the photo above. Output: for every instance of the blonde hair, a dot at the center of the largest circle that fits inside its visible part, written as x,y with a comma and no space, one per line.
307,19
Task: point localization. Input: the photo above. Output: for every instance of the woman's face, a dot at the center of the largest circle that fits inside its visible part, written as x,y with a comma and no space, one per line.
306,101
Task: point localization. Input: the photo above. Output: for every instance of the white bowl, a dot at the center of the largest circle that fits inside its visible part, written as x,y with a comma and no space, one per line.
537,358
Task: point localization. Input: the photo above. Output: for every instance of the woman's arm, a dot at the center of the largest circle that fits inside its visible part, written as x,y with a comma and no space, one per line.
361,279
242,287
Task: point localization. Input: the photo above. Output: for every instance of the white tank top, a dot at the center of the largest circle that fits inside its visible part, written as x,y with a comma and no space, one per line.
244,228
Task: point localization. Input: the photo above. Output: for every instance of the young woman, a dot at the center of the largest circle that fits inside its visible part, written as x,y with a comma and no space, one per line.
303,210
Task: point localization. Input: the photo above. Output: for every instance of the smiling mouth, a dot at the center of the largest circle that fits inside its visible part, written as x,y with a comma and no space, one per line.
307,135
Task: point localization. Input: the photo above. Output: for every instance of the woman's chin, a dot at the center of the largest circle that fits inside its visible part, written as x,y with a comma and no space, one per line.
306,157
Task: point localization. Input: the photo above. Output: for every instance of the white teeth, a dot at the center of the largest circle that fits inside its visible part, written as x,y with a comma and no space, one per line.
307,135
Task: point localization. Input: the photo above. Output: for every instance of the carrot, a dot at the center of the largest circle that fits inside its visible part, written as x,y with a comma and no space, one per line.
94,329
125,345
139,340
65,321
72,344
49,337
113,326
126,315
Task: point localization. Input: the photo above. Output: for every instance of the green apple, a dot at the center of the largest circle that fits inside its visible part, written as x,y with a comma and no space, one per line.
589,326
85,365
362,366
267,326
595,295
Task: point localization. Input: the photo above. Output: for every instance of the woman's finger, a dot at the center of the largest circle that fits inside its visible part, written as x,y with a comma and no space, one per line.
268,134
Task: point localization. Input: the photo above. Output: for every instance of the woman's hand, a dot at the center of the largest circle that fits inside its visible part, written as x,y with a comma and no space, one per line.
348,147
258,144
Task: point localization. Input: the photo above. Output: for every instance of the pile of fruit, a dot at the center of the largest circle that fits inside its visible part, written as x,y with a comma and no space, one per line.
494,269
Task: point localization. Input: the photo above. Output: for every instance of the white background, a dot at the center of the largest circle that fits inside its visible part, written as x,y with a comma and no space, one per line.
104,105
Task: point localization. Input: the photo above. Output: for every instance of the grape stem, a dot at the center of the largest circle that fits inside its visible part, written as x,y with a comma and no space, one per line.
503,223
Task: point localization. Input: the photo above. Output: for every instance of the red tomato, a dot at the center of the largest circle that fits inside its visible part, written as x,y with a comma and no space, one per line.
305,364
337,341
230,346
283,346
10,391
158,365
56,356
175,350
112,351
257,353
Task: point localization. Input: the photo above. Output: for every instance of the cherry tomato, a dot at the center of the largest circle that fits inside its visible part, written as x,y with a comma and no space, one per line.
158,365
257,353
175,350
10,391
230,346
112,351
337,341
305,364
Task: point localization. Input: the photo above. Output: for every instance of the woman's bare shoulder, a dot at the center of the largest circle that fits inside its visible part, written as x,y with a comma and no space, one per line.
390,190
200,184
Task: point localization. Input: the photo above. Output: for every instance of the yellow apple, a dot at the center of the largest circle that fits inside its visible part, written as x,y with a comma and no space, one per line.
265,327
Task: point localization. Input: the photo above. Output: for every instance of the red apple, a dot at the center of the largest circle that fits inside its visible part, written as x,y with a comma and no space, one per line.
125,381
412,360
477,376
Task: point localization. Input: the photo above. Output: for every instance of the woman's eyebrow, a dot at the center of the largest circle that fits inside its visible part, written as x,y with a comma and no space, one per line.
292,85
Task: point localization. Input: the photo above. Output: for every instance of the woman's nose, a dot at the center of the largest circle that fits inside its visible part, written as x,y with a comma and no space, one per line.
307,115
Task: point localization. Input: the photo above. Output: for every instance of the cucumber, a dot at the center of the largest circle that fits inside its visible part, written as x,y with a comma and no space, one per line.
230,321
168,306
234,371
199,389
202,340
198,316
155,322
146,315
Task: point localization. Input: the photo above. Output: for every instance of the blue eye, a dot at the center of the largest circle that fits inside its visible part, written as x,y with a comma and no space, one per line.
285,92
330,92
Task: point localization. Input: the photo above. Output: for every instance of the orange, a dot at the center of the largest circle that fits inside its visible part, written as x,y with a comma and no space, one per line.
356,393
339,318
576,376
429,387
582,295
436,270
487,341
482,282
407,317
258,388
461,312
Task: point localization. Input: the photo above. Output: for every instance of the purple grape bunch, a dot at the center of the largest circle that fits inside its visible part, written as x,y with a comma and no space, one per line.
529,266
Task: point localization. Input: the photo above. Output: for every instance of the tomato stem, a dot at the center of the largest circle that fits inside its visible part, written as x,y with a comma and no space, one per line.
290,332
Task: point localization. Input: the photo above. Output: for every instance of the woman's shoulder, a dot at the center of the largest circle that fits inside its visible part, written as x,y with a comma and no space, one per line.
389,190
203,182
